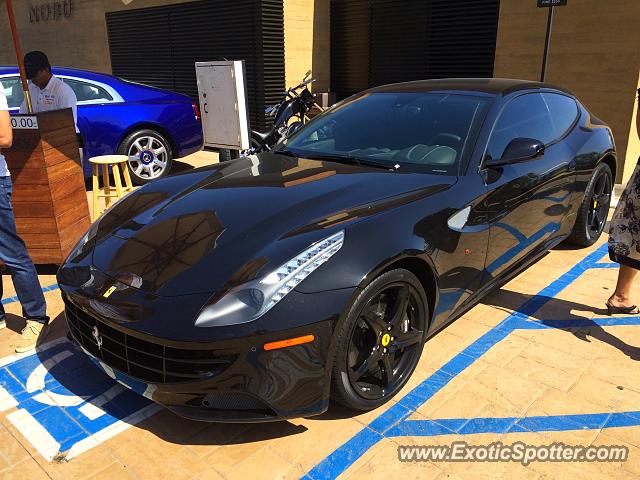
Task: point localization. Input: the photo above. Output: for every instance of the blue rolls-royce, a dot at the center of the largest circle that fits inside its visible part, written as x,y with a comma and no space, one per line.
150,125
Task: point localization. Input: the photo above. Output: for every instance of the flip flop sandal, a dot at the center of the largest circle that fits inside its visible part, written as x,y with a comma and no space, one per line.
630,310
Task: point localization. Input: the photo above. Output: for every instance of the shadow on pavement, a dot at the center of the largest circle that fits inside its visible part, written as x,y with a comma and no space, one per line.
563,311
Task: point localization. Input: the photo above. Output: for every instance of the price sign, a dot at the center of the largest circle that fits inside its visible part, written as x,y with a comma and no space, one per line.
24,122
551,3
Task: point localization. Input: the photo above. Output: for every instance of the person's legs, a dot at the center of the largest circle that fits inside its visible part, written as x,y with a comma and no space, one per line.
3,322
14,255
622,295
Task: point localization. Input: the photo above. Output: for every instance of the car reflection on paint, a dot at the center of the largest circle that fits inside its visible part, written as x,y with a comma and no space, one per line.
259,289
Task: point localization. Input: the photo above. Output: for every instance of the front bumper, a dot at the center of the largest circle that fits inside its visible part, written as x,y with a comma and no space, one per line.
219,378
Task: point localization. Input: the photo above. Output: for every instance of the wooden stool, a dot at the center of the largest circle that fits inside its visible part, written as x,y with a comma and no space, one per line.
113,161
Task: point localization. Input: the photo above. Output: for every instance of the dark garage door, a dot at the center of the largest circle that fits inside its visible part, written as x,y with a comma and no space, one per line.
159,46
374,42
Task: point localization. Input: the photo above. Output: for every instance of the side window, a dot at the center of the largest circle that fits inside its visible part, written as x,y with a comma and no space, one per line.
525,116
563,111
13,91
88,92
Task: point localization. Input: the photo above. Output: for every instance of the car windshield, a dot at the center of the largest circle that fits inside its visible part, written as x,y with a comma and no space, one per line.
431,132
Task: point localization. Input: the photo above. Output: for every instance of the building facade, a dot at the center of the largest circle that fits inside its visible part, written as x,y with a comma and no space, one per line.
595,52
350,45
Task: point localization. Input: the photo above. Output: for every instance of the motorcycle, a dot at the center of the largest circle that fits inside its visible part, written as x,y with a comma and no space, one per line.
295,103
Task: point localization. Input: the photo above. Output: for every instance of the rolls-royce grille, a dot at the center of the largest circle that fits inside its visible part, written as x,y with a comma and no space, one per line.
142,359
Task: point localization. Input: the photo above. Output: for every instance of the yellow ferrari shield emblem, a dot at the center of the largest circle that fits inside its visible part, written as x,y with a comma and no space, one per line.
109,291
386,338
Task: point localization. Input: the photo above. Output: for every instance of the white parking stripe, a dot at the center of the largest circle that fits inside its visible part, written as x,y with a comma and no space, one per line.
57,399
90,411
111,431
93,410
36,379
35,433
6,400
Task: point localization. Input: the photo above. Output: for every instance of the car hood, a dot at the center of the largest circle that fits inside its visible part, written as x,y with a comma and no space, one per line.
216,227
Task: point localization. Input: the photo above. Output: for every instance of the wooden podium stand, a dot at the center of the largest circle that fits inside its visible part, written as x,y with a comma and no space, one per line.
49,196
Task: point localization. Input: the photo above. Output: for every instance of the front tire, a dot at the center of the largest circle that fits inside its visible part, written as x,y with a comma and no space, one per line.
150,155
380,341
592,215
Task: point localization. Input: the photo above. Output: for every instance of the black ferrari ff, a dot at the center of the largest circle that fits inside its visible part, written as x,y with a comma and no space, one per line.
260,288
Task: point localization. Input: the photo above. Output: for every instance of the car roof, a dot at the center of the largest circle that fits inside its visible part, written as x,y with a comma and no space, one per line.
491,86
72,72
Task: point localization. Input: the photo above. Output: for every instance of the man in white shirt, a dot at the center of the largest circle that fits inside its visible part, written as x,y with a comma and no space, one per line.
13,252
47,91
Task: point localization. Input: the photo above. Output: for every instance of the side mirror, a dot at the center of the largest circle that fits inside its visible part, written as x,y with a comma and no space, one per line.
519,150
293,128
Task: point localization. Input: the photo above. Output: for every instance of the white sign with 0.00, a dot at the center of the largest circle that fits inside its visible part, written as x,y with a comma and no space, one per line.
24,122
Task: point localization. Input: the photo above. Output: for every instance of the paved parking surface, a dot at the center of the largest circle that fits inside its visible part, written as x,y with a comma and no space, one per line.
538,361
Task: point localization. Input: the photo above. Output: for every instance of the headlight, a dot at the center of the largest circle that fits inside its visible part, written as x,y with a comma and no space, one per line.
253,299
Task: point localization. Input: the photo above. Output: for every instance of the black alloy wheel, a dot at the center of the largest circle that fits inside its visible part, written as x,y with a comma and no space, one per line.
592,215
599,205
381,341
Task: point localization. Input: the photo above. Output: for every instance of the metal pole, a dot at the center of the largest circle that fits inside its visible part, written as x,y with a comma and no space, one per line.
19,57
547,41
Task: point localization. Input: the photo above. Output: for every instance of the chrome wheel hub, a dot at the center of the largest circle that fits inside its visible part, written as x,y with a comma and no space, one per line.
148,157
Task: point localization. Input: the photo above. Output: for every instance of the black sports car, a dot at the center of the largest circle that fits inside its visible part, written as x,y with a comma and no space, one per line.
257,289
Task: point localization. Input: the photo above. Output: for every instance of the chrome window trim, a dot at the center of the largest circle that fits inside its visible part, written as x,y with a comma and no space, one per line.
117,98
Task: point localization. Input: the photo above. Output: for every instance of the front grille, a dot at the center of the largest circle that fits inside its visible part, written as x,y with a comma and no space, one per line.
148,361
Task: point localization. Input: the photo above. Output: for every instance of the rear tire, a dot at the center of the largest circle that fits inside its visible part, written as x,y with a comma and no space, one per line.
592,214
380,341
224,155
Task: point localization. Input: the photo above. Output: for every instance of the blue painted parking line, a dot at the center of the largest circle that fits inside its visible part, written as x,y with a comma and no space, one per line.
394,422
546,423
64,404
15,298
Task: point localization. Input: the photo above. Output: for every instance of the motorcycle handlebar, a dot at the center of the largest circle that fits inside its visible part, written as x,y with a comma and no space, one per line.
303,84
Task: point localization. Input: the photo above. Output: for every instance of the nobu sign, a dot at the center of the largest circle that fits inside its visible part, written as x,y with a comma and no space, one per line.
551,3
54,10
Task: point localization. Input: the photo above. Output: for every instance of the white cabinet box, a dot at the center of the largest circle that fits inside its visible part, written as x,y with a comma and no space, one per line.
223,104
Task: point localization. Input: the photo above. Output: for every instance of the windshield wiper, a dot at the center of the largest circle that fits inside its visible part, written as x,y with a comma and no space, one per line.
373,163
350,159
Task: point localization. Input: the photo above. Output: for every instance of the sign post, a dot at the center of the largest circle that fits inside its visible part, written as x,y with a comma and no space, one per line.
548,4
18,49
